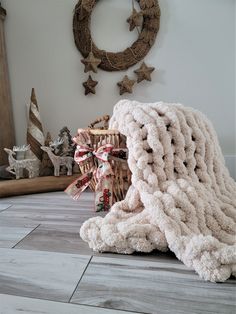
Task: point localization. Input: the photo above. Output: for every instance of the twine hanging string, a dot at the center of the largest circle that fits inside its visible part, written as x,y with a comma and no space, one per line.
109,61
117,67
135,57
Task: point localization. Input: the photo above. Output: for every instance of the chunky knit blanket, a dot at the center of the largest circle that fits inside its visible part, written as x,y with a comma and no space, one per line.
182,197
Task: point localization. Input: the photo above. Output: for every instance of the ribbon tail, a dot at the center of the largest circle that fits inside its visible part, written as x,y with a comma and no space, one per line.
76,188
104,194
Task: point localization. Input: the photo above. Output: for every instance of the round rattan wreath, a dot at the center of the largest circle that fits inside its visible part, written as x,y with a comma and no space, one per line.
111,61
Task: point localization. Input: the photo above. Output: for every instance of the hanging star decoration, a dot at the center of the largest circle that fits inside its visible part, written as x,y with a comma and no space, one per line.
135,19
126,85
91,63
144,72
89,86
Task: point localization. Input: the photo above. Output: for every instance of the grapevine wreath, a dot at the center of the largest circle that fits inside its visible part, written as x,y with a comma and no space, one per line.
146,21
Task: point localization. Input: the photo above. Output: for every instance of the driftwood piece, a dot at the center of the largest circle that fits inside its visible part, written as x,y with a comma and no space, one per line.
4,174
35,185
7,133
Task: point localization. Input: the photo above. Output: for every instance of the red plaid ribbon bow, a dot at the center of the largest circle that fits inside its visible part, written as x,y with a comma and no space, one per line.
103,175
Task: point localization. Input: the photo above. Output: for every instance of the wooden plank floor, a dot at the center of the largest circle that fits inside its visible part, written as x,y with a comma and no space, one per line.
45,267
40,274
147,286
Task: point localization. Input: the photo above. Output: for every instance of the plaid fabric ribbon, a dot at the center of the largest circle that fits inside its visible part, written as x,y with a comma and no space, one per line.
102,172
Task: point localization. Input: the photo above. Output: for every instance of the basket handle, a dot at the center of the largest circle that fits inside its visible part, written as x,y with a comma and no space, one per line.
105,119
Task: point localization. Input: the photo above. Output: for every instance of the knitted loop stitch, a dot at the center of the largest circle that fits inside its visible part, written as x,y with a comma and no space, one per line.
182,197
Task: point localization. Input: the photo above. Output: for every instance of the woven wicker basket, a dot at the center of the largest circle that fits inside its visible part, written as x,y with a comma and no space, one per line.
122,175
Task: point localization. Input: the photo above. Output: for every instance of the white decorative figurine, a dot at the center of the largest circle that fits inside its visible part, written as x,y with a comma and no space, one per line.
58,161
21,151
16,166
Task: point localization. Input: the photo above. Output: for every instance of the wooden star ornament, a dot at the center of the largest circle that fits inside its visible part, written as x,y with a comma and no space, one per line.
126,85
89,86
135,19
91,63
144,72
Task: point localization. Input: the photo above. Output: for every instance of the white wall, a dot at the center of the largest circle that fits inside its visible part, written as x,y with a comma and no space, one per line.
194,54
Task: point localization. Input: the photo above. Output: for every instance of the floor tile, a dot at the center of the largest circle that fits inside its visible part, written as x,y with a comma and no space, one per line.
152,287
46,215
12,305
10,236
54,238
66,239
50,208
11,221
45,275
150,283
4,206
56,199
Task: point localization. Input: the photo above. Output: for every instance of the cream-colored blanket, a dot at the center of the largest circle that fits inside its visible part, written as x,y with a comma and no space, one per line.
182,197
